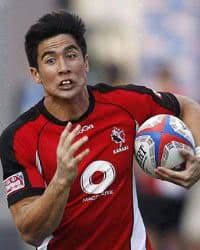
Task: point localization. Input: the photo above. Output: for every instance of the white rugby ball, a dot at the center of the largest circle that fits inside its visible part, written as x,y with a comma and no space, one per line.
158,141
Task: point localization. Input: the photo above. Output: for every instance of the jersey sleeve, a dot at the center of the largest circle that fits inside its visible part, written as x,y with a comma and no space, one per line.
155,103
141,102
144,102
21,177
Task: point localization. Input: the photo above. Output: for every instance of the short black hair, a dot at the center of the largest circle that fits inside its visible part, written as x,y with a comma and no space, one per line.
50,25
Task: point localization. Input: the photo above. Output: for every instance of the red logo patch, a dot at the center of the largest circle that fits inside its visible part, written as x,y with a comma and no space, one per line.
14,183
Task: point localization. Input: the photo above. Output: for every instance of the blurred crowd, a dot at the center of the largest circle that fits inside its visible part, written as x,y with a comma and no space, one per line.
153,43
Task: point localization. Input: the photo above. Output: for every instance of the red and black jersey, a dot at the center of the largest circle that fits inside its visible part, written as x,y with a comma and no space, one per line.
102,210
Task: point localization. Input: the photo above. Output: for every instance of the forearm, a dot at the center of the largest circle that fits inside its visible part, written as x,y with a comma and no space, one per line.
190,114
42,216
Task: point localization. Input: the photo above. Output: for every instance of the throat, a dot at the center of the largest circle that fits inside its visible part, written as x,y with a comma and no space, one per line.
65,111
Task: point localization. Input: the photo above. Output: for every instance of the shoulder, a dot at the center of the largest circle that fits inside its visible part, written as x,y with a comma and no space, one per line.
21,122
107,88
121,93
125,95
140,100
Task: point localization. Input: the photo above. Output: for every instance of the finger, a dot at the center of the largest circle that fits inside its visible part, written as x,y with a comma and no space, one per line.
164,177
71,136
180,178
64,134
168,174
76,145
167,171
81,156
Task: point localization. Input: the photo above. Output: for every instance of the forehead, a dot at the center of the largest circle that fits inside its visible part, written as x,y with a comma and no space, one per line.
56,43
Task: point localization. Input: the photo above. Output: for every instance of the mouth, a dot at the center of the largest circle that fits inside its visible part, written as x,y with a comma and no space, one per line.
65,84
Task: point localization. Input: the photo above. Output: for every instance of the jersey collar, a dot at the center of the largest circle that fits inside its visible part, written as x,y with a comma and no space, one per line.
53,119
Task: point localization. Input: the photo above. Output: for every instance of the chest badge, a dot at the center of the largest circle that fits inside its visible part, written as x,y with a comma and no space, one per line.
118,136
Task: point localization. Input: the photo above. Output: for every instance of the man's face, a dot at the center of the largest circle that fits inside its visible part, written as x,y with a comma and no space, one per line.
62,70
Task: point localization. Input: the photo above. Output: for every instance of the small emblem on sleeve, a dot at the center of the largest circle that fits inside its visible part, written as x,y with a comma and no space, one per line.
14,183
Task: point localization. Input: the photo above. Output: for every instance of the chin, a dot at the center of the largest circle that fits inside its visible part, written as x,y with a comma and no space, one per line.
70,94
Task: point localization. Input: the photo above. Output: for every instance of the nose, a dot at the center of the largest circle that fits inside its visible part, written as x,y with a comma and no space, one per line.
63,66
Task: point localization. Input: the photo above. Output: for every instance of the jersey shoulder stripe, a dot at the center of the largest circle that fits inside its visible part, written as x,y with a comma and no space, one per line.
7,138
164,99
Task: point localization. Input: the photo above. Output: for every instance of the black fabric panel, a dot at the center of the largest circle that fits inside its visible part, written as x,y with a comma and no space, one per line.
24,194
169,101
104,88
9,162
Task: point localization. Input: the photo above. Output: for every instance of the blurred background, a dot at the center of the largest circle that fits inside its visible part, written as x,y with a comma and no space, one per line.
153,43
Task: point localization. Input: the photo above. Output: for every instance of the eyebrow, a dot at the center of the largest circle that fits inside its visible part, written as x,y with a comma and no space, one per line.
51,52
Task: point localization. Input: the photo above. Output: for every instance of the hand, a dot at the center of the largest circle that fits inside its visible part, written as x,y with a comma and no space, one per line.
185,178
67,160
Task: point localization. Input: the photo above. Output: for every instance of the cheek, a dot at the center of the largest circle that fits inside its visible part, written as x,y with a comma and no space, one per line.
79,66
48,73
82,69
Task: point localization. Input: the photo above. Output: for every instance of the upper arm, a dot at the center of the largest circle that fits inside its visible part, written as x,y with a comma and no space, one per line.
182,100
21,177
186,105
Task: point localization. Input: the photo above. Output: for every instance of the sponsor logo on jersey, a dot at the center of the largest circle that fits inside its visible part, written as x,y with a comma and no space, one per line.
14,183
96,180
96,196
85,128
118,136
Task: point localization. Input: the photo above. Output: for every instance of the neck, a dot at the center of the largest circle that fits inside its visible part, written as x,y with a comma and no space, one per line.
65,110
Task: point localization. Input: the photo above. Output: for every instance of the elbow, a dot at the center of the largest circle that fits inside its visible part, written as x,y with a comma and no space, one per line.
33,235
32,239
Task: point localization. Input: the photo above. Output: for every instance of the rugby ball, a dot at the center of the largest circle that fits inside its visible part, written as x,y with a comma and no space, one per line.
158,141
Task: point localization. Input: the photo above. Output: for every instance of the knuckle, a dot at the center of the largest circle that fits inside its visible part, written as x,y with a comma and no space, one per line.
72,165
187,181
188,185
66,159
70,151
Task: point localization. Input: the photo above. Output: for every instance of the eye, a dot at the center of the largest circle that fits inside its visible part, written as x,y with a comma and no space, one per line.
71,55
50,60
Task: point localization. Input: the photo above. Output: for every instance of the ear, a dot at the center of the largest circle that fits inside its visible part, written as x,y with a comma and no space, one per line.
35,75
87,66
